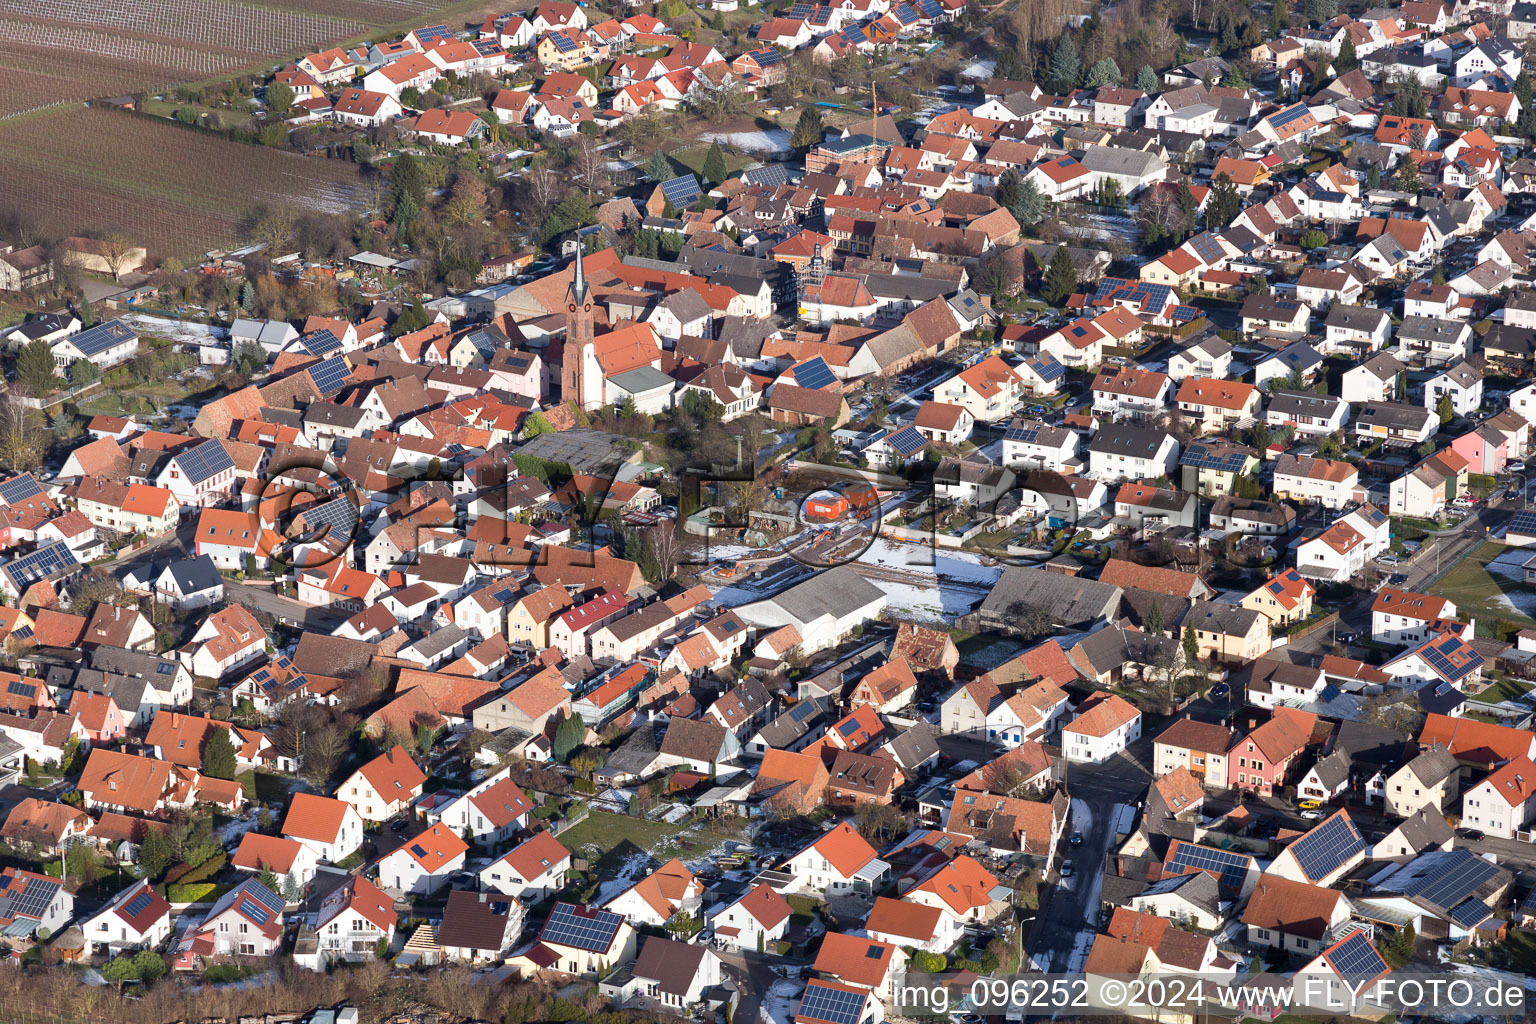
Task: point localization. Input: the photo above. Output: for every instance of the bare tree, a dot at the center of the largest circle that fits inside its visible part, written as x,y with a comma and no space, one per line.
1169,661
23,434
591,168
115,249
273,229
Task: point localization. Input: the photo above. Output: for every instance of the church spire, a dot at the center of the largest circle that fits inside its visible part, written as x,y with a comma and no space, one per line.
579,283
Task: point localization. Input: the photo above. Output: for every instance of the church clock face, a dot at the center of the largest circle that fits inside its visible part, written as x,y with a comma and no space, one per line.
573,307
586,309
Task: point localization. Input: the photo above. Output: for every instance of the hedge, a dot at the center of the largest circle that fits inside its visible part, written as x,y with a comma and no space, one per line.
195,892
185,874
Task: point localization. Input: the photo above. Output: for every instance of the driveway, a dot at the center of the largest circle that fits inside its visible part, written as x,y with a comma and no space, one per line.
754,979
1069,911
284,609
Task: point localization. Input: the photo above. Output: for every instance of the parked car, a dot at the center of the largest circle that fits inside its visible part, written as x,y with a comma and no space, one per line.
1066,869
1077,837
1312,814
1220,690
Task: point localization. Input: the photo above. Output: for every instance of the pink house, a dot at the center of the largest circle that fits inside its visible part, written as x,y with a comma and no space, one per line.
1262,760
99,714
1485,449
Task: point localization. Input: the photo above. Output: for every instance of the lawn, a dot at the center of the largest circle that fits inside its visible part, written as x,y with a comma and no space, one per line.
606,839
1479,593
693,159
1505,689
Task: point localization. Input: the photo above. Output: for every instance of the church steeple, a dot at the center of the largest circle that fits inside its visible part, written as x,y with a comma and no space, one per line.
579,282
574,382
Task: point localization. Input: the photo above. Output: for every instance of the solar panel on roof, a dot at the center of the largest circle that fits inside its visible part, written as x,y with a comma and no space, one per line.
849,727
137,905
907,441
1207,247
1355,956
253,910
205,461
340,515
1327,847
1523,522
682,192
95,340
1438,660
832,1005
563,42
43,562
815,374
593,931
1229,868
330,375
1202,456
321,343
432,33
19,489
1470,913
1285,117
21,689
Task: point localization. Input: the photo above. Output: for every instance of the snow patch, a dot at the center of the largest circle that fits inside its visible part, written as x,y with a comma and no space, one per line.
771,140
636,866
781,1002
181,332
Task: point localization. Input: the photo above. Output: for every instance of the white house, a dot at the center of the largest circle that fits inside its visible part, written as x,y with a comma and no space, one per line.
492,811
1105,725
136,918
424,864
755,921
532,870
1504,802
1462,384
837,863
247,920
351,922
331,828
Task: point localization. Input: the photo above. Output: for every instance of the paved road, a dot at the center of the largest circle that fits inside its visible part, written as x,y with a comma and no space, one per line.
754,978
1069,911
284,609
1432,563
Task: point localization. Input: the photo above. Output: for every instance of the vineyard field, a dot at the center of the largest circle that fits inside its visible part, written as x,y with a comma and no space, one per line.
180,192
61,51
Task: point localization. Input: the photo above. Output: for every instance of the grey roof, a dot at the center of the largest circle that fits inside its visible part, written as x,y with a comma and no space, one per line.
1462,374
914,746
331,414
1367,743
1426,829
1333,770
1069,600
1394,414
1429,328
1434,766
796,722
641,379
439,640
1198,888
1358,318
1219,617
586,451
1298,355
1303,403
1112,160
835,592
194,575
1124,439
1384,366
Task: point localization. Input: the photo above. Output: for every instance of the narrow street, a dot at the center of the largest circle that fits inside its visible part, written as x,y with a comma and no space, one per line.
1068,917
